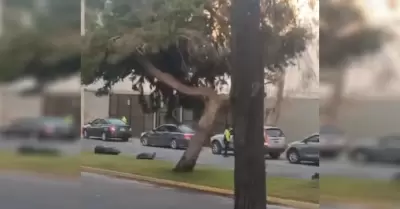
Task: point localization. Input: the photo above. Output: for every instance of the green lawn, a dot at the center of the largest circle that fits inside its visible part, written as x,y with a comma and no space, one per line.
329,188
57,165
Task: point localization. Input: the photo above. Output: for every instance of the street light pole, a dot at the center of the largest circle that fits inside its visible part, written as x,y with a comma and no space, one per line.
82,89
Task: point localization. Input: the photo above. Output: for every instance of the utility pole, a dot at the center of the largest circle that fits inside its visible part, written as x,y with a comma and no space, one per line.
247,99
83,32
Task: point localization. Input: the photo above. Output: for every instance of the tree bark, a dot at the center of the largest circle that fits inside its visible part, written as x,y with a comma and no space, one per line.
248,105
213,103
203,132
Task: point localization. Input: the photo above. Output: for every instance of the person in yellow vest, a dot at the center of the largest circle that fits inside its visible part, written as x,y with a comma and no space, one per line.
69,119
227,139
124,120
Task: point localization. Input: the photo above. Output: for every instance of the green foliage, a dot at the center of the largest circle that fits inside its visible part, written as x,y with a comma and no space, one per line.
339,46
48,48
188,39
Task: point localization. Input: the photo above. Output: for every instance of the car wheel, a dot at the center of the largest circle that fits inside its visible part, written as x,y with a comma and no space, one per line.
85,134
359,157
104,136
174,144
216,148
275,156
144,141
293,156
125,139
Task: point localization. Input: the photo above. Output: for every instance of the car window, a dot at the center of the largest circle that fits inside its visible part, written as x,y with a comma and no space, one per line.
274,132
95,122
185,129
313,139
390,141
57,122
115,121
161,129
171,129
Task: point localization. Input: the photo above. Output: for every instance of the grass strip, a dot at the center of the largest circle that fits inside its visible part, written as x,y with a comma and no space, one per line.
329,187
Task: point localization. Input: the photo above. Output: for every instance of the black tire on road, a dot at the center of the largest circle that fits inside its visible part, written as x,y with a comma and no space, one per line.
293,156
274,155
216,148
125,139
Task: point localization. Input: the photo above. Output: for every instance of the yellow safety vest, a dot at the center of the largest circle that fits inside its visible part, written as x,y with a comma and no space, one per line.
124,119
227,134
69,119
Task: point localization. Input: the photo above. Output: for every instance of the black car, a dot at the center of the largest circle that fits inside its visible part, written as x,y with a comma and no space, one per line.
41,128
107,129
168,135
385,149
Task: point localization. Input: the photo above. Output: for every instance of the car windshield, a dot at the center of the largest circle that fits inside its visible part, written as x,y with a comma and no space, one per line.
115,121
57,122
186,129
274,132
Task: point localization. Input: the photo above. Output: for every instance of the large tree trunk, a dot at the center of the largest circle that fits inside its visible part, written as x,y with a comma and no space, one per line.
203,132
248,105
213,103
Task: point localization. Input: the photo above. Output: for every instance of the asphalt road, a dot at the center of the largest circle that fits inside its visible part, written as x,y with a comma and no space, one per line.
19,191
274,167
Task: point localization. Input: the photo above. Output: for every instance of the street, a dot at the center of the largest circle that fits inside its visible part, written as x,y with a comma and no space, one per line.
274,167
19,191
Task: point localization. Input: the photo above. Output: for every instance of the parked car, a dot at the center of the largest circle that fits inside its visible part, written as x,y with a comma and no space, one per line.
41,128
274,142
304,150
107,129
385,149
168,135
332,142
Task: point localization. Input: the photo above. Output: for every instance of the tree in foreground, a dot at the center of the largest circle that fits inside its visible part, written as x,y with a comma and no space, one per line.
247,101
182,49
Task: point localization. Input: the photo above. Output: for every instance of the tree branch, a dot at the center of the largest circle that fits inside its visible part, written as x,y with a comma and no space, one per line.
174,83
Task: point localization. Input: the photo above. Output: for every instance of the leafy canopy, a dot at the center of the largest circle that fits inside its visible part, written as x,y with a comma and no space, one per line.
41,41
345,34
189,40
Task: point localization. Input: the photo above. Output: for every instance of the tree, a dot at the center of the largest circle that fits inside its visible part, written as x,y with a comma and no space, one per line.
40,40
345,35
182,48
247,103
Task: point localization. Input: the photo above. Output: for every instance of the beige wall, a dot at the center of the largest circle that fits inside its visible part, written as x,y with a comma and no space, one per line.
361,118
95,107
14,106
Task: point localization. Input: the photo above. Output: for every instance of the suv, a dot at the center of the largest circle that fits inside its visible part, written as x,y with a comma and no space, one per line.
274,142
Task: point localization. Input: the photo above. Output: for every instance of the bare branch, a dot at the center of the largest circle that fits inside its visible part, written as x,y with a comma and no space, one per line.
174,83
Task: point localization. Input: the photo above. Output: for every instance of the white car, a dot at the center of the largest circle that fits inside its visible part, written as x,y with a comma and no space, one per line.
274,142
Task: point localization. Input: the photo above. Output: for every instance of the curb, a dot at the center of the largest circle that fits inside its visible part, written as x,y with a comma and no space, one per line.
199,188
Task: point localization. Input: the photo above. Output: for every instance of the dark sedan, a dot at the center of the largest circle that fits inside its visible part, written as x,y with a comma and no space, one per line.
41,128
382,150
168,135
107,129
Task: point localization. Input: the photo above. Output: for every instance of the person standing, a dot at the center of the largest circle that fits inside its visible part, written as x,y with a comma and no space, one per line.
124,119
227,139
